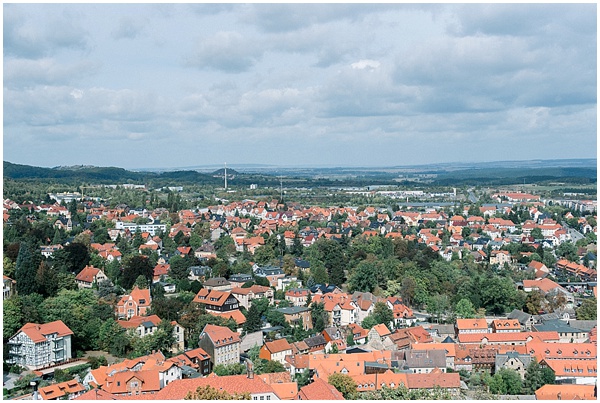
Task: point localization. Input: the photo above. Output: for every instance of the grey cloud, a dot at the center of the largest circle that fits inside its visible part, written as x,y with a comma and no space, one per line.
291,17
128,28
46,71
524,19
486,73
230,52
24,38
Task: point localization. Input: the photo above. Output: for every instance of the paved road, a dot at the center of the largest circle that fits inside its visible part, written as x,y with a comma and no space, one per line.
575,235
472,198
8,380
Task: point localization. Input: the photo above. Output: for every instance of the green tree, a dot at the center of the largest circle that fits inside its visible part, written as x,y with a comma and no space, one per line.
12,317
26,269
253,319
302,378
568,251
113,339
511,380
272,366
363,278
229,369
8,267
587,310
383,314
536,233
534,378
135,266
344,384
464,309
533,303
319,317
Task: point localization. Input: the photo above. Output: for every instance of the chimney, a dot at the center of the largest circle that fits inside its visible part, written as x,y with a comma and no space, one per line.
249,369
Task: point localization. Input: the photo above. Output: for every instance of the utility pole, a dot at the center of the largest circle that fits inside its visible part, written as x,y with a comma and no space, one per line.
281,188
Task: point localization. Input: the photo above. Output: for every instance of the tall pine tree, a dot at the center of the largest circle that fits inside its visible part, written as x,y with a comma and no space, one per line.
26,269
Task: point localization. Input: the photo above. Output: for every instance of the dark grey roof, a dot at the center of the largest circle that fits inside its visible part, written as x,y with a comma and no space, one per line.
304,264
323,288
556,325
425,358
216,281
501,359
519,315
240,277
585,325
268,271
315,341
448,339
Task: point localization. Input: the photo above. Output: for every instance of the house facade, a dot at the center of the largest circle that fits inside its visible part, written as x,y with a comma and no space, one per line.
40,345
221,344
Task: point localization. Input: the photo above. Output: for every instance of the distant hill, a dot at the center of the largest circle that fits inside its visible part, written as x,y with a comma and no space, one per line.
221,172
582,171
101,174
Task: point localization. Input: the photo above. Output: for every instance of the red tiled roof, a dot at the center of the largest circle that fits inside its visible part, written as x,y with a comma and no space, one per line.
60,389
565,392
470,324
221,335
87,274
119,382
278,346
177,390
319,390
97,394
37,333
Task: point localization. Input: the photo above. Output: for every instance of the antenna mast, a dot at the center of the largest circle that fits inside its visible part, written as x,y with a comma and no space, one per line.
225,176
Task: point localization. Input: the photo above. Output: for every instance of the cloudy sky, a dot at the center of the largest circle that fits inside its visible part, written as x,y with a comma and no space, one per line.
177,85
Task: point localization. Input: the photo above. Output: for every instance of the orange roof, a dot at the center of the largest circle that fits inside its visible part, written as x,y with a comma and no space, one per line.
381,329
471,324
221,335
37,333
97,394
60,389
573,368
278,346
236,315
507,337
433,379
544,284
177,390
565,392
119,382
211,297
506,324
542,350
319,390
285,390
137,295
369,382
88,274
135,321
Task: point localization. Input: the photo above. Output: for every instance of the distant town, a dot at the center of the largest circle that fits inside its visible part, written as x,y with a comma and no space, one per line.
234,291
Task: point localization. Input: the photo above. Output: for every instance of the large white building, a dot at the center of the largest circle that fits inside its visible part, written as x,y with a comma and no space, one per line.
152,229
36,346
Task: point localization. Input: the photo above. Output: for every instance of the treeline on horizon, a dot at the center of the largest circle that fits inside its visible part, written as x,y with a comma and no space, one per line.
470,177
